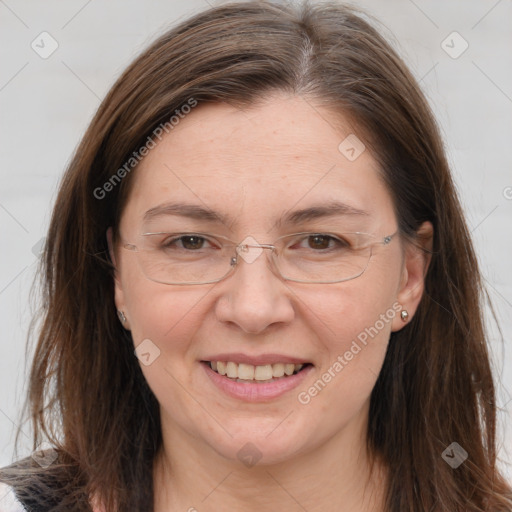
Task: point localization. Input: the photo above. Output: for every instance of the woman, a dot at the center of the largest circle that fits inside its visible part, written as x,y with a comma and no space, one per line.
260,291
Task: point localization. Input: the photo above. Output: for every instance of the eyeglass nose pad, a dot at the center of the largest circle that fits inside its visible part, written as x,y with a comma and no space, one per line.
249,249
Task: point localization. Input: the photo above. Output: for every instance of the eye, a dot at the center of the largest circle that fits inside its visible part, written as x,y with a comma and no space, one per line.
322,241
189,242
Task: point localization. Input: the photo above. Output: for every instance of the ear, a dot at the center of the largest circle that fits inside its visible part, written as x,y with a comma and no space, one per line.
118,289
417,258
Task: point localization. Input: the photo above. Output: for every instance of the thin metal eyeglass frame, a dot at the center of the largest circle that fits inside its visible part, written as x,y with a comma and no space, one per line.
234,259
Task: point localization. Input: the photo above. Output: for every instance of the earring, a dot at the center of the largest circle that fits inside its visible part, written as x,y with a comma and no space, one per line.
121,316
404,315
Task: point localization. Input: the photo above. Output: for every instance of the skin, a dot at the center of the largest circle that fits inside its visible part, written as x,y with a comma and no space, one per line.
253,165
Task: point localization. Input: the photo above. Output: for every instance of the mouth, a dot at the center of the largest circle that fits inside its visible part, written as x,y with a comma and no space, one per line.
255,374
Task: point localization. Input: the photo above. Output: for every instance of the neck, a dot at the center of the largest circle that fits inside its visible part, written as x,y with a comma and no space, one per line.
335,475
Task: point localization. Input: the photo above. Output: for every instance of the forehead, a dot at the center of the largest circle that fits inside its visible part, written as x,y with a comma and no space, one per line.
282,153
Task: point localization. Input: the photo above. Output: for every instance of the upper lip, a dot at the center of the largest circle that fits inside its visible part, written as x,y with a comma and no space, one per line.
258,360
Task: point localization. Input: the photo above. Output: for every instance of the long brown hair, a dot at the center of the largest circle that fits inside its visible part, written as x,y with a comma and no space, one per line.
87,394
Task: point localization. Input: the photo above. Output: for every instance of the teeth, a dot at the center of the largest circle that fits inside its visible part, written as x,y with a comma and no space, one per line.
288,369
263,372
232,370
221,367
247,372
278,370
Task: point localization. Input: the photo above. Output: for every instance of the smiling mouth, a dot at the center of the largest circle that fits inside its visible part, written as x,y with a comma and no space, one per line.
241,372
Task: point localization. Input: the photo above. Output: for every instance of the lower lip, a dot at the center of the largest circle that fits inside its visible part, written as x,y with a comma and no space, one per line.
254,392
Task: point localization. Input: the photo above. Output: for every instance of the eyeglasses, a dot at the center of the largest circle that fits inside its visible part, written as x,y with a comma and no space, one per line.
201,258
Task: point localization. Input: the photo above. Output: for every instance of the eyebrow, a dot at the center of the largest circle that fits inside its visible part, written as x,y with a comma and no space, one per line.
197,212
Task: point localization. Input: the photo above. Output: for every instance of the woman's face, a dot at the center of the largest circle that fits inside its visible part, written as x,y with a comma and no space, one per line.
253,168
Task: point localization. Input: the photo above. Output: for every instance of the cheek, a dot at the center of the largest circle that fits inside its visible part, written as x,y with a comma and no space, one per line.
165,322
162,313
353,321
356,343
360,309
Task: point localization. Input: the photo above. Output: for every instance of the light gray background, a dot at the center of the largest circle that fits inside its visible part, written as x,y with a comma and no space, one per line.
46,104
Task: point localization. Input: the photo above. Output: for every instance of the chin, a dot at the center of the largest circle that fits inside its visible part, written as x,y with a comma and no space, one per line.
258,444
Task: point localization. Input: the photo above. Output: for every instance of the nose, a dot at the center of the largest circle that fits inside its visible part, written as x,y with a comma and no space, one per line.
253,297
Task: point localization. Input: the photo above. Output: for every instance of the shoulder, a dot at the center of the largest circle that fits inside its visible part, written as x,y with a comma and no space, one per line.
8,500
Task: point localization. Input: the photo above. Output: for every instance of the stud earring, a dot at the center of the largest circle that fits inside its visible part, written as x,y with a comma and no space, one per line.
404,315
121,316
